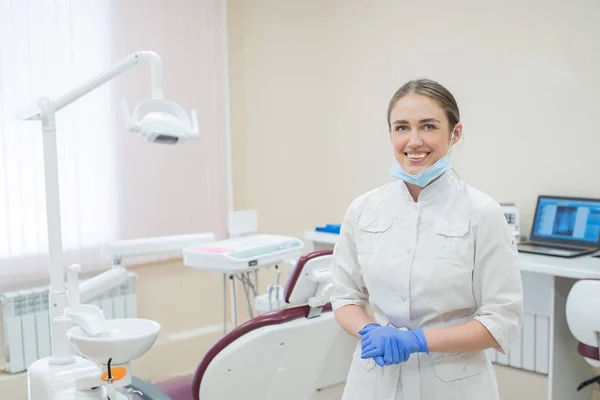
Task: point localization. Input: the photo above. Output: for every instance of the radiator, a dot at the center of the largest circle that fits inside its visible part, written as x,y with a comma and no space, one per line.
532,348
26,322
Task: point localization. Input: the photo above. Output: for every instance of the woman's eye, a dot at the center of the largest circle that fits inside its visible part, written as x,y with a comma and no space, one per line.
429,127
401,128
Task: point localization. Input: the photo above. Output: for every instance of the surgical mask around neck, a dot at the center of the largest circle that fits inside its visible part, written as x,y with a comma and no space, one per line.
426,176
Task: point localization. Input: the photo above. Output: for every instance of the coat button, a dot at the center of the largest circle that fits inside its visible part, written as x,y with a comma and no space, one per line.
464,368
407,251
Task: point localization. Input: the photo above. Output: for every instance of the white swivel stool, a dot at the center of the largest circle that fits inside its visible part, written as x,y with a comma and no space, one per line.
583,318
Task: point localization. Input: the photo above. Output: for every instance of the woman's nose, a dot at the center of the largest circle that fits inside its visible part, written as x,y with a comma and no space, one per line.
414,139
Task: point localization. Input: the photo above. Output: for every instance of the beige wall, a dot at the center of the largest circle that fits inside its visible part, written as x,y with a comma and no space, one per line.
310,82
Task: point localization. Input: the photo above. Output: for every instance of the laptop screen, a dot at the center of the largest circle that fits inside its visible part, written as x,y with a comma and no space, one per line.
567,220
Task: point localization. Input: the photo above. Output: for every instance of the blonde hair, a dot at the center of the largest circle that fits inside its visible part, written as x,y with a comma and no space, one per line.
434,91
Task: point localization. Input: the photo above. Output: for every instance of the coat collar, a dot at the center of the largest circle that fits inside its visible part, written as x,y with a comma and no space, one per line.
435,192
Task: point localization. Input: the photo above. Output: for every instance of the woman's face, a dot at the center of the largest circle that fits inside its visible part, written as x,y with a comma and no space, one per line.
420,132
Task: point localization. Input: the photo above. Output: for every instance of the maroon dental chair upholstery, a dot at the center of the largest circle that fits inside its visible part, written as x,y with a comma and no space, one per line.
286,354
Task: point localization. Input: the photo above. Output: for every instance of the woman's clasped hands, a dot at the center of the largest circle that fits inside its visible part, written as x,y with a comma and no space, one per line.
389,345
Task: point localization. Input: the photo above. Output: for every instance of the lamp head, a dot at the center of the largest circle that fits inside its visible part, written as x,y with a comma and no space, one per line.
163,122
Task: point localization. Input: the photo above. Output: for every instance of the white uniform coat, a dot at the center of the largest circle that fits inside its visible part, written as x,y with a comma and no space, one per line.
444,260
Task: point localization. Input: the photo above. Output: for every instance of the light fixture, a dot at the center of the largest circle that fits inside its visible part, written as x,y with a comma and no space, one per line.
156,120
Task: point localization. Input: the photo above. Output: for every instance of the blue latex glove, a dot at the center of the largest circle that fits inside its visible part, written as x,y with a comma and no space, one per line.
393,345
366,329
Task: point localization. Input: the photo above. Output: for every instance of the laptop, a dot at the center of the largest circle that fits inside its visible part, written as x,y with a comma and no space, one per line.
564,227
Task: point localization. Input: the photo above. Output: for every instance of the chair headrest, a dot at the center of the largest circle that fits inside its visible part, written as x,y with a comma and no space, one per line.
309,276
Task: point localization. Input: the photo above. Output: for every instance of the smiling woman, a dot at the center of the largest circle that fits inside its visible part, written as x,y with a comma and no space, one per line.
434,258
426,124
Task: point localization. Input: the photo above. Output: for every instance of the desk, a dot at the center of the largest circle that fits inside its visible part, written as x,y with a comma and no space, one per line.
566,369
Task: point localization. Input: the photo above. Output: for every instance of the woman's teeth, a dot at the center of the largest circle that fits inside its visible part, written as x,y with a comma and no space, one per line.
416,156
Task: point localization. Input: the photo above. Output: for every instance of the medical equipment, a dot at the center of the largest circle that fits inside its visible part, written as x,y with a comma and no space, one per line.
64,375
512,215
244,222
106,347
243,253
267,356
564,227
329,228
238,257
583,319
273,299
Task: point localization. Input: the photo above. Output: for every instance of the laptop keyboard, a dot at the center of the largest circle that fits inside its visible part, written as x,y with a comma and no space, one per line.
536,248
552,246
557,251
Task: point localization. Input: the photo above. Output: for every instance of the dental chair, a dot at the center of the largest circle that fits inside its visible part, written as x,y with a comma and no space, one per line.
287,354
583,319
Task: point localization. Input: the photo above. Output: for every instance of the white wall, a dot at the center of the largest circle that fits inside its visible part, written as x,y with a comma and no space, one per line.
310,83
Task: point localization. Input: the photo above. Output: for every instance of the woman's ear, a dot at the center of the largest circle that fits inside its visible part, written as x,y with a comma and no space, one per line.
458,131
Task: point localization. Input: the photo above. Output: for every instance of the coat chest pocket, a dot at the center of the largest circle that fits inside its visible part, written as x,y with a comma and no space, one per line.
373,234
452,238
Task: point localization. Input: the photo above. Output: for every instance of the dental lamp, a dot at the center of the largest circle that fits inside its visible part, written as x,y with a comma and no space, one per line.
156,120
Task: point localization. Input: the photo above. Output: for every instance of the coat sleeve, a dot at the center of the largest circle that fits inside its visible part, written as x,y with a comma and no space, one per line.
349,287
497,284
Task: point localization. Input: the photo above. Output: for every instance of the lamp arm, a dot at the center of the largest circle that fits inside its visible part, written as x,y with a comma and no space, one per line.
156,73
102,283
45,110
61,349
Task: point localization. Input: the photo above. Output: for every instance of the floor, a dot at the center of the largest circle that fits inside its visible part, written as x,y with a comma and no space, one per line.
333,393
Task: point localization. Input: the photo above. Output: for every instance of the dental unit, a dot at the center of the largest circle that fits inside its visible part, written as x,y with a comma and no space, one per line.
266,357
91,355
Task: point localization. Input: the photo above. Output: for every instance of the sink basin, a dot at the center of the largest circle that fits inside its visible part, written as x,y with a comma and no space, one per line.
125,340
